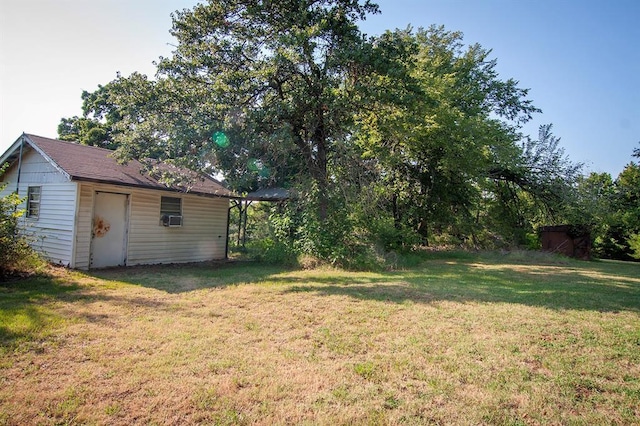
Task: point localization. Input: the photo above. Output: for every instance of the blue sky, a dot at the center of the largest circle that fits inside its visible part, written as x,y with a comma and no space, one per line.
580,59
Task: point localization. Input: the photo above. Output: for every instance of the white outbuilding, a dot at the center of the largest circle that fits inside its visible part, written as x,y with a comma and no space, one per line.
83,209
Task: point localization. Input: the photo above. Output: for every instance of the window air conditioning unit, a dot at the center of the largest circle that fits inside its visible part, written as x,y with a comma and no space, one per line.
171,220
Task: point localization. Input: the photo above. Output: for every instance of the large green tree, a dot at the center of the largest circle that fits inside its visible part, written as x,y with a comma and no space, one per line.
611,208
272,80
447,143
535,187
593,196
398,137
626,206
96,126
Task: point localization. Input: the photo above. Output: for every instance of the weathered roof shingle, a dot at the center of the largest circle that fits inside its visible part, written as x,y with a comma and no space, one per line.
89,163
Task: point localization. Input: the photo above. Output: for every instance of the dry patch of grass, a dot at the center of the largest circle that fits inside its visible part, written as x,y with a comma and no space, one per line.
454,340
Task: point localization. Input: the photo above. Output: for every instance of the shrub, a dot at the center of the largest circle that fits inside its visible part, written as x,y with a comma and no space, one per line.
392,236
634,244
16,256
271,251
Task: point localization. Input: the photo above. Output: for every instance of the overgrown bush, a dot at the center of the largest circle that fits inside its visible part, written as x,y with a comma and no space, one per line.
270,250
16,256
292,233
390,236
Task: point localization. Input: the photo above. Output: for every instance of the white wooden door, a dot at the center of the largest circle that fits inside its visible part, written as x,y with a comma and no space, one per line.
109,230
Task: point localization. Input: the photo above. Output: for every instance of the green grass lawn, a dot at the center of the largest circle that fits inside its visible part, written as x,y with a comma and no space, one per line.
456,338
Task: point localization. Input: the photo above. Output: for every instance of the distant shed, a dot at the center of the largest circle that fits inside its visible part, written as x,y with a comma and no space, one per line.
570,240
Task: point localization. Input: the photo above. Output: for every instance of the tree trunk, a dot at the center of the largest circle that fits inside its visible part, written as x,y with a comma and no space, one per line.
323,184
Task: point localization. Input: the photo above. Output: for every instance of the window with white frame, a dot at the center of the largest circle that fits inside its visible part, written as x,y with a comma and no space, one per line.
171,211
33,201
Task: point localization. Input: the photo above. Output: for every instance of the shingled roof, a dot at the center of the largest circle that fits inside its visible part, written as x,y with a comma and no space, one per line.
93,164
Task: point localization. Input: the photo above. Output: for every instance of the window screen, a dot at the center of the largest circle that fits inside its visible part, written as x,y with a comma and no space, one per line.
33,201
171,206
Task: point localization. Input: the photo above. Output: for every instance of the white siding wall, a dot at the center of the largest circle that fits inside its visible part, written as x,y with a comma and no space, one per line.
54,226
35,169
202,236
83,223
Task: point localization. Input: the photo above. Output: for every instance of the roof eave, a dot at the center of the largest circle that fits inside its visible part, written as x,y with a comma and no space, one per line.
157,188
12,151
